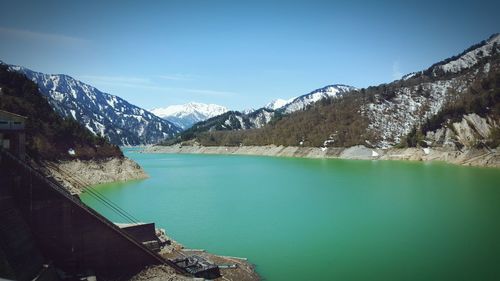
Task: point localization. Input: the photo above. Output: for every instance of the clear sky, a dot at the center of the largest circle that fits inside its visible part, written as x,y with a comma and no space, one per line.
239,54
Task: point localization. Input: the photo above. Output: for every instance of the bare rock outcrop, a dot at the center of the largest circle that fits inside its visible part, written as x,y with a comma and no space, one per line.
470,132
76,175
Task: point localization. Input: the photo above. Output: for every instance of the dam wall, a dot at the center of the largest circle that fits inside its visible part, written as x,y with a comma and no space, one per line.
72,236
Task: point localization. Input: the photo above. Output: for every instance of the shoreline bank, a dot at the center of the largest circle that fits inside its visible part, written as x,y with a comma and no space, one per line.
77,175
468,157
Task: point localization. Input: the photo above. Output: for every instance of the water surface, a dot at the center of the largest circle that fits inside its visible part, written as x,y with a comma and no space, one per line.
308,219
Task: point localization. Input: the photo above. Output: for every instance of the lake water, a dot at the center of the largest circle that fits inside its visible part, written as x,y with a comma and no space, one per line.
308,219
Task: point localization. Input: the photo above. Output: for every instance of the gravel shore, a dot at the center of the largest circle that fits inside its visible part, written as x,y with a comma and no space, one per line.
468,157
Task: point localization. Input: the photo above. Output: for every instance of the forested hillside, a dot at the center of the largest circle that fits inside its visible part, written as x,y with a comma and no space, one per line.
394,114
48,135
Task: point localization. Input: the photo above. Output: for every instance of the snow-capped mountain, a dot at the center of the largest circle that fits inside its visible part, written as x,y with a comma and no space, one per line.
304,101
255,119
234,120
469,57
185,115
452,103
404,106
105,114
277,103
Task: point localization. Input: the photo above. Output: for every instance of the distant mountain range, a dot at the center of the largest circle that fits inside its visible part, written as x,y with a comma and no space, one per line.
206,117
338,115
48,135
185,115
453,103
254,119
103,114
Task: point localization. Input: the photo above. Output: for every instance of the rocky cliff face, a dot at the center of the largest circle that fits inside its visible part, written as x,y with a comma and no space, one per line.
471,131
400,106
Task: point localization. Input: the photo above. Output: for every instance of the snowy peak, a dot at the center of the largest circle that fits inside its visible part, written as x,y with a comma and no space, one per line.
303,101
103,114
277,103
185,115
210,110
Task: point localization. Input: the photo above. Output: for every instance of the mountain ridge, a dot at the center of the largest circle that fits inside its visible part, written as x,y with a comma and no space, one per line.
104,114
48,135
384,116
185,115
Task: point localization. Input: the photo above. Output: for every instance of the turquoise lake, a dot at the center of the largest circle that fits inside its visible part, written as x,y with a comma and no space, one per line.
310,219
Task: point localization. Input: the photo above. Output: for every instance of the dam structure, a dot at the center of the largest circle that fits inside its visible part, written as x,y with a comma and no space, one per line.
46,233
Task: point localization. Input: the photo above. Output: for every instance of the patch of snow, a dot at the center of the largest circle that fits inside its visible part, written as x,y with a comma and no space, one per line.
394,118
472,57
302,102
277,103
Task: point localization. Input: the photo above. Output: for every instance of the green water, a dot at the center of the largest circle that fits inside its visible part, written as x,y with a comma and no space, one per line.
305,219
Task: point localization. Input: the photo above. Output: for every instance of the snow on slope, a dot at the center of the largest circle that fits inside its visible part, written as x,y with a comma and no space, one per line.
185,115
392,119
472,57
277,103
108,115
303,101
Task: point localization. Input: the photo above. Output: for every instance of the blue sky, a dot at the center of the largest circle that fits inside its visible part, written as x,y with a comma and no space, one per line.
239,54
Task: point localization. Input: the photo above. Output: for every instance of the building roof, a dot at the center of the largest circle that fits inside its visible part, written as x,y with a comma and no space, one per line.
11,115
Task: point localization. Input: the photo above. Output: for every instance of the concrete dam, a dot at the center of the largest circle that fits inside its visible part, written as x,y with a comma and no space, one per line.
44,230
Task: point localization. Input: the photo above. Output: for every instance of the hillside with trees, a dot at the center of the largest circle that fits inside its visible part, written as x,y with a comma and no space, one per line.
399,113
49,136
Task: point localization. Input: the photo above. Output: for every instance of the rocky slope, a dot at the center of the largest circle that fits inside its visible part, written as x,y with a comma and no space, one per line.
106,115
471,131
399,113
403,105
49,139
76,175
302,102
48,135
185,115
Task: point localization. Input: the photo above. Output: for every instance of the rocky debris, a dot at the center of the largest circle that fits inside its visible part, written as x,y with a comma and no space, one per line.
357,152
160,273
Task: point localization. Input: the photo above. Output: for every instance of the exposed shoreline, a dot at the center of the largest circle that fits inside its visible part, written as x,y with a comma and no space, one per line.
466,157
77,175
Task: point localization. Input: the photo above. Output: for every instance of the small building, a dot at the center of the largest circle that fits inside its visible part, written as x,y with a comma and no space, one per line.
12,133
198,267
144,233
